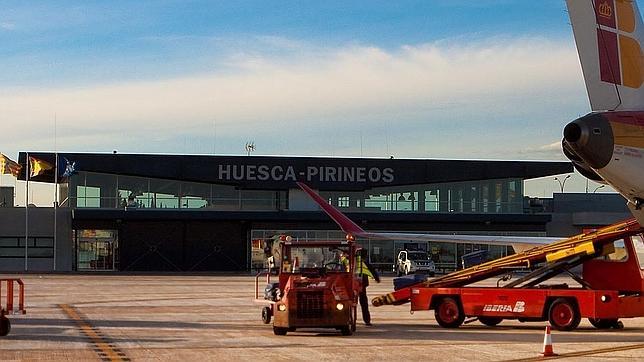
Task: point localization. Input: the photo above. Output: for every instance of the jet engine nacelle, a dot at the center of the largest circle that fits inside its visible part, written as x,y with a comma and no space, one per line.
579,164
591,139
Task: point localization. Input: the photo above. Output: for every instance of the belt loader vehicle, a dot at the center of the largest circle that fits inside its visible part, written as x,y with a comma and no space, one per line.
611,284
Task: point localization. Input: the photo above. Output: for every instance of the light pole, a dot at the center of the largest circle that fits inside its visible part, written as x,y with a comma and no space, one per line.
599,187
562,183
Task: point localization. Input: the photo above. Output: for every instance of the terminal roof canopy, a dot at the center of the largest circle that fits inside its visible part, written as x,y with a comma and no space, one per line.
281,173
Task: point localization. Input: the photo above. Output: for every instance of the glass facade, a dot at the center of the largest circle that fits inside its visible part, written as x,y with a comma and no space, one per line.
487,196
96,190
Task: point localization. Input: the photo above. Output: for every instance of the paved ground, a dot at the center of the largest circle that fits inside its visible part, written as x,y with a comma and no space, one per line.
194,318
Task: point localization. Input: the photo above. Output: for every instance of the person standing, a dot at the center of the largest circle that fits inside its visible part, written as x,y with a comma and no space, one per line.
366,271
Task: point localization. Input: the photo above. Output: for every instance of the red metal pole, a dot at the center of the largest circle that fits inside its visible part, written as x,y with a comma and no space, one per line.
21,301
9,296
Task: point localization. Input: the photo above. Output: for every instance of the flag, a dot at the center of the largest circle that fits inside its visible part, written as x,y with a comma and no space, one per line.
69,168
7,166
38,167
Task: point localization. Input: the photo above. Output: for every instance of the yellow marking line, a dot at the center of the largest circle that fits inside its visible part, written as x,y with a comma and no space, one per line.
87,329
585,353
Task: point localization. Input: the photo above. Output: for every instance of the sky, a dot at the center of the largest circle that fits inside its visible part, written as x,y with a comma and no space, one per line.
458,79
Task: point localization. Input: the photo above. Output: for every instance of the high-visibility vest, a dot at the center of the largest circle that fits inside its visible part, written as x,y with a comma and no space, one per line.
362,268
345,262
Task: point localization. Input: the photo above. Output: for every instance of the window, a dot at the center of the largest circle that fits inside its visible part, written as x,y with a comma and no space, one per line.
88,196
382,253
619,253
195,195
638,245
163,194
136,187
8,242
96,249
473,197
512,194
431,201
498,193
258,200
37,247
376,202
225,198
343,201
443,254
105,189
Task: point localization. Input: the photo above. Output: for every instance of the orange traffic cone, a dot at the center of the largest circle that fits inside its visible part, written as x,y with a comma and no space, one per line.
547,344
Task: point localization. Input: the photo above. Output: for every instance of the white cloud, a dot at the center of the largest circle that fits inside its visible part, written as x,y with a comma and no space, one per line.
328,87
7,25
550,151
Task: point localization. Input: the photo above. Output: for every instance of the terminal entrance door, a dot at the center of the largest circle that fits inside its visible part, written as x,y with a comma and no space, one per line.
96,250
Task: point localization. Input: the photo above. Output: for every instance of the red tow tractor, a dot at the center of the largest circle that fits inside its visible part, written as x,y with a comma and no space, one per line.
317,287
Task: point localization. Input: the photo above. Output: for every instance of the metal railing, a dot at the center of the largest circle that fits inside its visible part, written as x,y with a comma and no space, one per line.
9,297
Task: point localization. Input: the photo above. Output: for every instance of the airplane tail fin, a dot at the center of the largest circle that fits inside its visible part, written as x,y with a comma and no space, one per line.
609,35
346,224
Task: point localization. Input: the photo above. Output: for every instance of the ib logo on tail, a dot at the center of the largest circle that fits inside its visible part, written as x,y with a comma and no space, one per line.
620,55
609,34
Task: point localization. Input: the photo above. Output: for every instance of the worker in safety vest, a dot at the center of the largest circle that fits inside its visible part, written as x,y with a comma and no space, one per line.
365,271
344,260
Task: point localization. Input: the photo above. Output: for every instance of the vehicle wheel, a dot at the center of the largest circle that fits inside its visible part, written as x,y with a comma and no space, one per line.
266,315
279,331
448,313
563,315
490,321
5,326
604,323
346,331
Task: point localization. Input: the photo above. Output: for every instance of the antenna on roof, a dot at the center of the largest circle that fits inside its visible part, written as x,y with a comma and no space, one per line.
250,147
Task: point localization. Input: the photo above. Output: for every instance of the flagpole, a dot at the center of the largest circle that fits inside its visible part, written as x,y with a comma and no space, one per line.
27,213
15,191
55,207
55,191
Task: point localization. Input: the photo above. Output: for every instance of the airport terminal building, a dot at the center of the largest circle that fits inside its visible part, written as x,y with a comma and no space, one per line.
142,212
